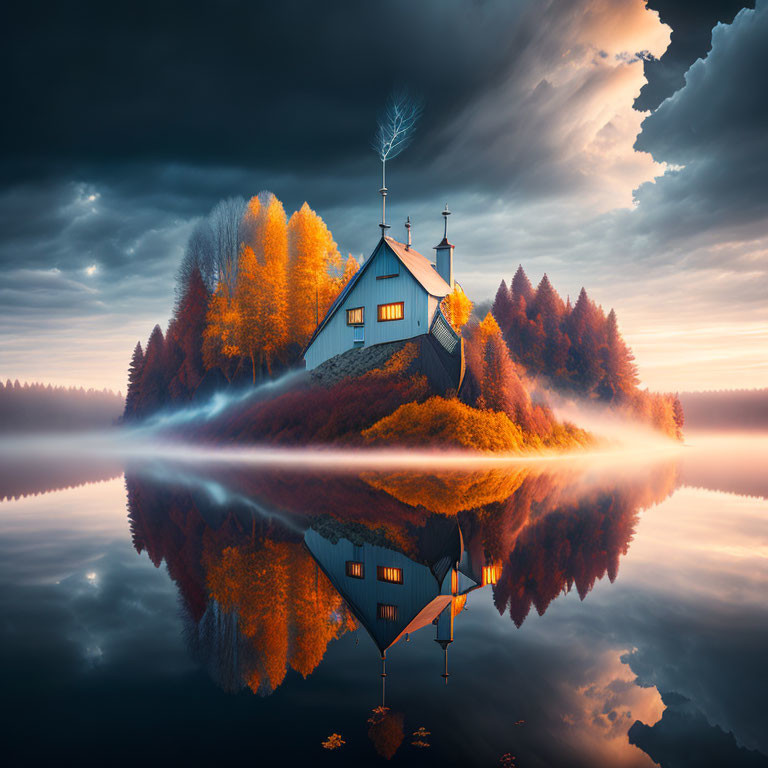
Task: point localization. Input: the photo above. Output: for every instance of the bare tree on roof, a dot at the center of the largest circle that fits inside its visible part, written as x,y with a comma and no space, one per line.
394,133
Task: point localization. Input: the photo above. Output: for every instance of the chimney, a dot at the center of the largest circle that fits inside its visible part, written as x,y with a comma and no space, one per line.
444,253
408,234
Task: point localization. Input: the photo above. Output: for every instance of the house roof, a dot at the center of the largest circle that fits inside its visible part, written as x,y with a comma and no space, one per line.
419,266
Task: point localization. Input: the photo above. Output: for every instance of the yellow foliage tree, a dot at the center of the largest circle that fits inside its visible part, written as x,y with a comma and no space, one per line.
250,307
313,258
220,337
457,308
268,235
447,424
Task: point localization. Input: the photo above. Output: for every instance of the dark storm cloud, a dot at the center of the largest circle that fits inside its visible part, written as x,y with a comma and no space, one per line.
267,85
715,127
692,25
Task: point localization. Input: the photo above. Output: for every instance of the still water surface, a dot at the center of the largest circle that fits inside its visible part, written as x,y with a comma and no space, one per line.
609,612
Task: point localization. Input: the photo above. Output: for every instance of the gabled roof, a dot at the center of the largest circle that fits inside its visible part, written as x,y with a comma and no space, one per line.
419,267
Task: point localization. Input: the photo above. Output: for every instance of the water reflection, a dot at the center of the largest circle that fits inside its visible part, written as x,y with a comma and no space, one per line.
594,613
273,567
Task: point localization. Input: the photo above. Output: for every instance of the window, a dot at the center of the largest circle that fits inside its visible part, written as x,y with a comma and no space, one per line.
491,574
355,569
355,316
391,311
392,575
386,612
358,333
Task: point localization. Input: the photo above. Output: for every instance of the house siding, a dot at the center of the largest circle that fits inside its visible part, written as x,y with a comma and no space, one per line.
418,589
337,337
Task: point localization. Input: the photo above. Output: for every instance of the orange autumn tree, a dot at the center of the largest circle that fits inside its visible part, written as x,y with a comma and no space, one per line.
313,261
288,275
220,337
249,313
270,245
457,308
318,615
254,584
286,607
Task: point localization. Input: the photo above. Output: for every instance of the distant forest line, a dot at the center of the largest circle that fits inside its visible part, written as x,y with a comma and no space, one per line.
743,409
35,407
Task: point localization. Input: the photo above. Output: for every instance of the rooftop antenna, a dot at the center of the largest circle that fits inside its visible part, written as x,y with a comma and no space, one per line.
446,213
395,129
408,234
383,676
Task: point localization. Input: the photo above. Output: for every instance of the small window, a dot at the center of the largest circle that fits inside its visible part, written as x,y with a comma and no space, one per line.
491,574
358,333
386,612
391,311
392,575
355,569
355,316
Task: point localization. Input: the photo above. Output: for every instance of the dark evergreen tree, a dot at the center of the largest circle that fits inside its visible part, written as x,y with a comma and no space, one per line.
585,331
619,370
153,386
186,336
135,370
502,307
521,286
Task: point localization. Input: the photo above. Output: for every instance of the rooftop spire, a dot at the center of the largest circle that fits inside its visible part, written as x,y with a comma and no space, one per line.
383,192
383,676
408,234
446,214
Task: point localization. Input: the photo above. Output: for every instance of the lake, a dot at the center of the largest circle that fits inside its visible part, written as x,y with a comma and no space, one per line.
164,605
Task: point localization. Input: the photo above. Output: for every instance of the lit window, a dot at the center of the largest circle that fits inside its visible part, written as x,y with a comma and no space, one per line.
491,574
358,333
392,575
391,311
386,612
355,316
355,569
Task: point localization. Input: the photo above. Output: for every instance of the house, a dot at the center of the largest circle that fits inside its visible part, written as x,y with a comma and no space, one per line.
394,296
393,594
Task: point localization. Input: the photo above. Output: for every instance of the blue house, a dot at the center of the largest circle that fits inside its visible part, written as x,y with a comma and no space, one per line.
393,594
395,295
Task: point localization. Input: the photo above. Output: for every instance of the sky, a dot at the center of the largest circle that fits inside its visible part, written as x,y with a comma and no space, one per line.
612,144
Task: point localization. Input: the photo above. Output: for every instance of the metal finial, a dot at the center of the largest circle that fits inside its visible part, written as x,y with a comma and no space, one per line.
446,213
383,678
384,226
408,233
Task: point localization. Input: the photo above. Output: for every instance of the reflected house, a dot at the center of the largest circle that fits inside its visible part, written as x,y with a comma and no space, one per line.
393,594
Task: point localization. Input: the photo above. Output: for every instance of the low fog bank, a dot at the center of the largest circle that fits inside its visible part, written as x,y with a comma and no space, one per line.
40,463
609,425
732,463
40,408
744,410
